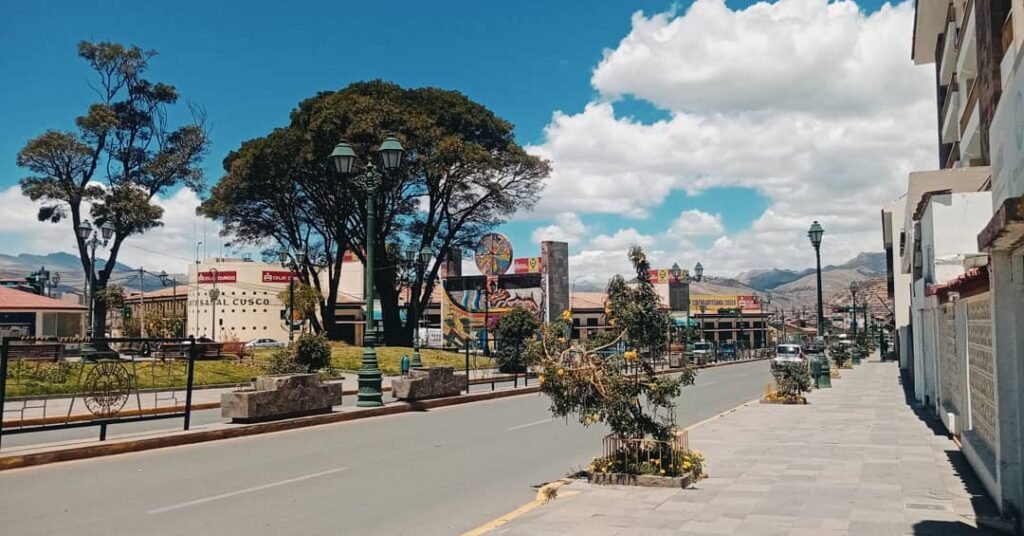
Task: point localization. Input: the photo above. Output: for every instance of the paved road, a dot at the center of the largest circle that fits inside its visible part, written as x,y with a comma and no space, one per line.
443,472
199,420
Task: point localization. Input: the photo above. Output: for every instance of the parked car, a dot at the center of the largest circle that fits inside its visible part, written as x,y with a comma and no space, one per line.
789,353
728,351
263,343
703,352
812,349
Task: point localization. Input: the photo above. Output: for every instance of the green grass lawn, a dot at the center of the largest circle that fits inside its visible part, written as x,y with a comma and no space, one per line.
35,379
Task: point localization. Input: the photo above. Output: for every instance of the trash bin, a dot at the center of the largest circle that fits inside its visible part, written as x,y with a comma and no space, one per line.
825,374
815,371
404,364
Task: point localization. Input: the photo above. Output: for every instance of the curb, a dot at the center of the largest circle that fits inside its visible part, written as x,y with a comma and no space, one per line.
548,492
109,448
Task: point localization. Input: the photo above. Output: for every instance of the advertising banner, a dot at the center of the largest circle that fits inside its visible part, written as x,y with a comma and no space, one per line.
527,265
222,277
714,302
276,276
663,275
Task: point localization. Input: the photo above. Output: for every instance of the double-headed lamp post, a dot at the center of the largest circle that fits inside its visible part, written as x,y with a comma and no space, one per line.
92,241
418,261
685,278
814,234
853,310
343,158
293,267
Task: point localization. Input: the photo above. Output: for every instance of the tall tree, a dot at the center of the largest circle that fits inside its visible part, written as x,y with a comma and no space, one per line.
463,175
122,155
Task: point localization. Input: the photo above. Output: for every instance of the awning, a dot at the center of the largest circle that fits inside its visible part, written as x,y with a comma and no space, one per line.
685,321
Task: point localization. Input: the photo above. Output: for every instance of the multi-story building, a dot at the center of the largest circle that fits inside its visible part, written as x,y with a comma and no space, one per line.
947,316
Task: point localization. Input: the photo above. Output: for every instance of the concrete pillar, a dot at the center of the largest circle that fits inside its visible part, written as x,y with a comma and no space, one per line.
1007,297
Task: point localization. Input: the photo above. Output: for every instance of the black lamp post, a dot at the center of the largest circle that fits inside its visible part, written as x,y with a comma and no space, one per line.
92,240
853,309
814,234
343,158
165,280
418,262
293,267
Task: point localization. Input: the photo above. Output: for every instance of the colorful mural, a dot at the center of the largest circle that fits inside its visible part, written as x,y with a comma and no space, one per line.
469,303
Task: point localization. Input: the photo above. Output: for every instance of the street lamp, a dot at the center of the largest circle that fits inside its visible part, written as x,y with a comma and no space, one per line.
282,256
164,280
685,279
343,158
485,290
417,262
762,301
92,240
853,310
814,234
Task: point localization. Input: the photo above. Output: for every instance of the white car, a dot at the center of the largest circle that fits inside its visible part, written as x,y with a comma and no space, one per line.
263,343
789,353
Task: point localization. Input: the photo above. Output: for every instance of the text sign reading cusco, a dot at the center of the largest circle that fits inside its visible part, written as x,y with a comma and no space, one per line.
222,277
276,276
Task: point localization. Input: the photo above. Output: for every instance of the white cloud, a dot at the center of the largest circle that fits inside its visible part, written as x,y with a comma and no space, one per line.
567,228
814,105
621,240
169,247
695,222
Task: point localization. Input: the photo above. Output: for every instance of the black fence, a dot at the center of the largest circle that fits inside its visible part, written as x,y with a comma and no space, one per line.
60,383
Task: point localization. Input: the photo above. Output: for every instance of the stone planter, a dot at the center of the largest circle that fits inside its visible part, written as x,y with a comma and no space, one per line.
647,481
432,382
280,397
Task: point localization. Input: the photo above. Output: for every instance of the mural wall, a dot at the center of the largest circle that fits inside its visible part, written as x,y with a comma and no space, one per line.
472,302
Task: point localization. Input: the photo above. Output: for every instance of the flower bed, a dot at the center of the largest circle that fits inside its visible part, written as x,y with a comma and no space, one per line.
647,462
776,397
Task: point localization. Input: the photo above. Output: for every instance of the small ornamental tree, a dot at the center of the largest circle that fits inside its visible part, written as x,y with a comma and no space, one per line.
621,390
791,379
313,352
514,331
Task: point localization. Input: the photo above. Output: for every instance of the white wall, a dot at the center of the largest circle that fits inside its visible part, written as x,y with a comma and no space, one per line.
949,231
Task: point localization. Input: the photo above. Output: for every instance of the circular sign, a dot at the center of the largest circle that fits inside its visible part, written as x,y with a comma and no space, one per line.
106,388
493,254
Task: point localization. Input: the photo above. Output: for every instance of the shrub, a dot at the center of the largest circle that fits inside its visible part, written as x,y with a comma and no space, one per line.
792,379
282,361
514,331
313,352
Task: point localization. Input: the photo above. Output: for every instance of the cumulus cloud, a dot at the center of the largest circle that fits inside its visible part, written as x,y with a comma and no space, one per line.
169,247
815,105
567,228
697,223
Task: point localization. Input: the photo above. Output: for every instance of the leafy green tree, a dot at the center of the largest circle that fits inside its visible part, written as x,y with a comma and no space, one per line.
463,175
637,309
307,300
122,155
514,331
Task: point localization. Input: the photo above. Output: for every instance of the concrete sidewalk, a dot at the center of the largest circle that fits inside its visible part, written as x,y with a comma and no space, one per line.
856,460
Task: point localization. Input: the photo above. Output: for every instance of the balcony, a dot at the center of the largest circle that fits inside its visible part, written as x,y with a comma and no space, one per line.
970,121
950,105
947,59
967,45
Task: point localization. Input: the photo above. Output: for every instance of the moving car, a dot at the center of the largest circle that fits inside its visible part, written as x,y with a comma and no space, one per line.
728,351
263,343
789,353
703,352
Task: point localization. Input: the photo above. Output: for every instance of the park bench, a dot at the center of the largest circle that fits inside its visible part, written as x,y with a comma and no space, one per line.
34,351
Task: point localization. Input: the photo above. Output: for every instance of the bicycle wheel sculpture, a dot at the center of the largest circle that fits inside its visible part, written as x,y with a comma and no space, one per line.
493,254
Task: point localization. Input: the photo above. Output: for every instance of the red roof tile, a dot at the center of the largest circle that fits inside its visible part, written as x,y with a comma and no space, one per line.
17,299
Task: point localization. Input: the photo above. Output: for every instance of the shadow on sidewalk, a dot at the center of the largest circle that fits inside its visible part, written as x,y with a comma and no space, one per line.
980,501
931,421
947,528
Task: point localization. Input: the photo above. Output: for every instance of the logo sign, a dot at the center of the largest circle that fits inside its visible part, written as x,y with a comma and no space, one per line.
222,277
748,303
663,275
276,276
527,265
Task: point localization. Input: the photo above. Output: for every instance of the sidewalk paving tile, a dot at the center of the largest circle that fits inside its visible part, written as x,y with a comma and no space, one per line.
855,461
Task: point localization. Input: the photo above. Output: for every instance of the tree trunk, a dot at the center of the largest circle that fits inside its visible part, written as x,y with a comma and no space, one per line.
99,318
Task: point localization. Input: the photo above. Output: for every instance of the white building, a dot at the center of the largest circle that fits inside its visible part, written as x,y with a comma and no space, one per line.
249,304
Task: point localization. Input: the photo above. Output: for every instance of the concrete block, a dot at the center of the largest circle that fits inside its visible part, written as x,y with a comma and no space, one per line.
280,397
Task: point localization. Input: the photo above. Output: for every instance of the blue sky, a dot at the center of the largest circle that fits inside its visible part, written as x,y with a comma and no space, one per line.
249,63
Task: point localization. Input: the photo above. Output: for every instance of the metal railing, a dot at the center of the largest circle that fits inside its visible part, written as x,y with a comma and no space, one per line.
49,383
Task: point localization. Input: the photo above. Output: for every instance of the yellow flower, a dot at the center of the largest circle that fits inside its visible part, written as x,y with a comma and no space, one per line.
561,371
662,471
567,315
631,355
540,378
611,322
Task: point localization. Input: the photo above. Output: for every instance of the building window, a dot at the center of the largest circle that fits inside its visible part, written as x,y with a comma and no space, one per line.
61,324
591,322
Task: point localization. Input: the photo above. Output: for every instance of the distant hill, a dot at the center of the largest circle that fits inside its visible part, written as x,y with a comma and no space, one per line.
867,264
72,277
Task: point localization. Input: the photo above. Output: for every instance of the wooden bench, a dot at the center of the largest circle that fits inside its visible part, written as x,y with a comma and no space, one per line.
35,351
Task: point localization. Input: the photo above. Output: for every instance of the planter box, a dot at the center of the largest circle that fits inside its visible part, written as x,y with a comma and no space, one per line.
281,397
433,382
647,481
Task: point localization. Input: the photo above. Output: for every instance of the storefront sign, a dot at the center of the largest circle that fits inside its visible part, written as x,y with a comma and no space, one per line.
713,302
527,265
276,276
662,275
222,277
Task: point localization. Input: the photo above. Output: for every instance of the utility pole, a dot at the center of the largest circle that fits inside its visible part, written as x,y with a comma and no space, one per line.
142,302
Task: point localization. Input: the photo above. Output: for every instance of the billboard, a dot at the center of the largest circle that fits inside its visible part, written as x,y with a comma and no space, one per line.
276,276
714,302
663,275
222,277
528,265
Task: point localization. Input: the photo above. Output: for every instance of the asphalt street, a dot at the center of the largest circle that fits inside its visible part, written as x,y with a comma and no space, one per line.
439,472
